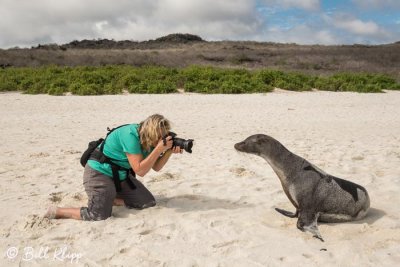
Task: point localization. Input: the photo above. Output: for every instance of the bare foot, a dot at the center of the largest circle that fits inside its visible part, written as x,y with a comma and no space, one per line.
51,212
118,202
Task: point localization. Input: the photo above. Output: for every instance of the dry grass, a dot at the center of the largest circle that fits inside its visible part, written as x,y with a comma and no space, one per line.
307,59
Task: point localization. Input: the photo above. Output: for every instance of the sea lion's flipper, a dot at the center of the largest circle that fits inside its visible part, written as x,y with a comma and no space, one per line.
308,222
314,230
288,213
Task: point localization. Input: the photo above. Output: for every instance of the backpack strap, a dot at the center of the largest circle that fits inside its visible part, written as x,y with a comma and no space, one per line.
99,156
115,173
109,132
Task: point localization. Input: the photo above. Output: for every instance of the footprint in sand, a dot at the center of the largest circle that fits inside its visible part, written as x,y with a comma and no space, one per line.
124,250
379,173
145,232
5,232
216,223
39,155
78,196
196,185
307,256
70,152
56,197
224,244
165,177
357,158
188,197
241,172
36,222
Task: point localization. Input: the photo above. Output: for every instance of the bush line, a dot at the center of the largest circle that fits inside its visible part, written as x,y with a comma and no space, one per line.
115,79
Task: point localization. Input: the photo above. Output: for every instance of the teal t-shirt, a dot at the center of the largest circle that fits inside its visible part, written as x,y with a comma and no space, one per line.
120,141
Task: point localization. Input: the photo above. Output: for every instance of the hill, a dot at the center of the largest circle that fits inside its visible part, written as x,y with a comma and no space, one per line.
182,50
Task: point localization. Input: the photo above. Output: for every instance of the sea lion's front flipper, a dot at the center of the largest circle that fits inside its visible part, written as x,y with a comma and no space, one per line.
288,213
308,222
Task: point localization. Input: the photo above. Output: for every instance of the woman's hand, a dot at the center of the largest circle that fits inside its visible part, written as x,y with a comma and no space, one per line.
177,149
161,147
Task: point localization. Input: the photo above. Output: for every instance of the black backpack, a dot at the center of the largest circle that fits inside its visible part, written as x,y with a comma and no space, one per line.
91,147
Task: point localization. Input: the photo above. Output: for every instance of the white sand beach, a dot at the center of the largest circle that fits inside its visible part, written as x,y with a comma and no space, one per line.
215,207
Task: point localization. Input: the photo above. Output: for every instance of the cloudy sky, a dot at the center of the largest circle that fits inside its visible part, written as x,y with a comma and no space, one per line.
26,23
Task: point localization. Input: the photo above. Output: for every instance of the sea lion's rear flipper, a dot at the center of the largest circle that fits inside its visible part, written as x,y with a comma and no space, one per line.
308,222
288,213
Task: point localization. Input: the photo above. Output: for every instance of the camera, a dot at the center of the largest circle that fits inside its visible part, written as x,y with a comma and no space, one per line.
182,143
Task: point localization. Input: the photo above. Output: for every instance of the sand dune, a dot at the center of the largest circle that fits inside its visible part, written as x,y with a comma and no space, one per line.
215,206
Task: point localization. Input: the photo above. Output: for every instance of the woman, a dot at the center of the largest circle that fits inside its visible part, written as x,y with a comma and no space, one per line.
137,146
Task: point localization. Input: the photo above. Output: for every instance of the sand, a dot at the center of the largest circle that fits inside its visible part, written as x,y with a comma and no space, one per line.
215,206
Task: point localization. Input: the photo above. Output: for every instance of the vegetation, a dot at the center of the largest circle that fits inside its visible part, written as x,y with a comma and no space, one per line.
114,79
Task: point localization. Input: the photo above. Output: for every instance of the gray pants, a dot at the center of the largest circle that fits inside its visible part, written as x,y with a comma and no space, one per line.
101,194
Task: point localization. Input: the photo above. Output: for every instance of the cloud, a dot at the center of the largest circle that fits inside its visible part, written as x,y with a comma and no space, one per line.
380,4
304,4
310,5
359,31
302,34
355,26
215,19
26,22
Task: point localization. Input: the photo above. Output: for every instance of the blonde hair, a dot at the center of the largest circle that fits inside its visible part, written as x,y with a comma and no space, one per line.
152,129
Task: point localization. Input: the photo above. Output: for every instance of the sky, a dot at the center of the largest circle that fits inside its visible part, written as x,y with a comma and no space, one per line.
26,23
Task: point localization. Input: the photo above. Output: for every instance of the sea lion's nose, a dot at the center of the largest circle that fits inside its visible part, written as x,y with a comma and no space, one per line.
238,146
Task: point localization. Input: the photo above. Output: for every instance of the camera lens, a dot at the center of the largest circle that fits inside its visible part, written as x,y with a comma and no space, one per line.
184,144
188,145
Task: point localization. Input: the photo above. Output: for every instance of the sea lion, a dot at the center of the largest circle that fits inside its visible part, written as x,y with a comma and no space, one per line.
316,195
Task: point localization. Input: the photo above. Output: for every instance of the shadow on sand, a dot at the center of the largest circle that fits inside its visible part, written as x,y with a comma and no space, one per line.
372,216
187,203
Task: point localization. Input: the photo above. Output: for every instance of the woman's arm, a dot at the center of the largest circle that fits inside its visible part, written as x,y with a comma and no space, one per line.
142,166
159,164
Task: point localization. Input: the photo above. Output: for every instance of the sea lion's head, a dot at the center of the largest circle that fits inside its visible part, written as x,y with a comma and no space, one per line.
252,144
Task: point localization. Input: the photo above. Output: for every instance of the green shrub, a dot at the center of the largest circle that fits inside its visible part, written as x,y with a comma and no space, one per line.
112,79
270,77
225,81
7,85
90,89
287,81
356,82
